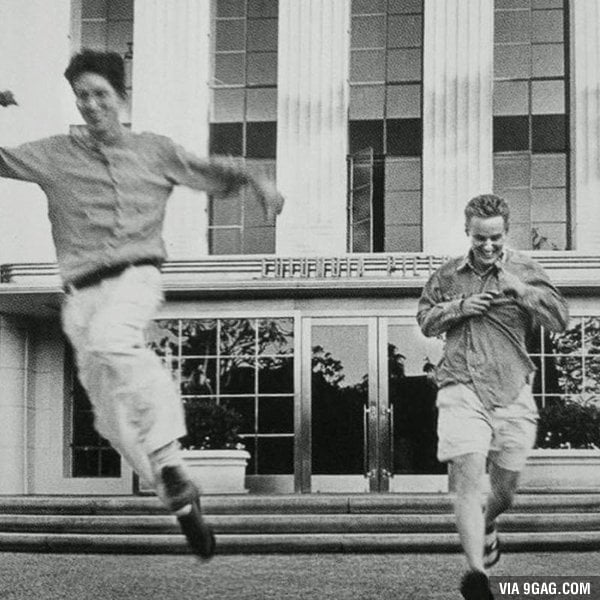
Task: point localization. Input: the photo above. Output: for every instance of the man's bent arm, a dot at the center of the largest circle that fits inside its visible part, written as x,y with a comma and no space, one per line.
435,315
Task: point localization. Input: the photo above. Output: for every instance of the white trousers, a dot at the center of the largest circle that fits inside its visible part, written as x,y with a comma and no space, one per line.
136,405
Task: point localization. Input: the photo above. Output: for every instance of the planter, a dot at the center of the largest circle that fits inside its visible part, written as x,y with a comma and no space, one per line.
562,470
218,471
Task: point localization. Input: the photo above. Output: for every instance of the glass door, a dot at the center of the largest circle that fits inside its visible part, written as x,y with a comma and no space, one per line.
369,404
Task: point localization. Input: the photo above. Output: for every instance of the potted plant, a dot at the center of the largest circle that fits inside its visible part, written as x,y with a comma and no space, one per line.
213,450
567,454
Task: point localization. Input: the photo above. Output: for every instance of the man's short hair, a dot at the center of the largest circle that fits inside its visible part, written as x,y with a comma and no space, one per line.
486,206
108,64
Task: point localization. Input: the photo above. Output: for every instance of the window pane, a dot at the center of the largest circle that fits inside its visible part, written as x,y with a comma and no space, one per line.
511,98
365,7
549,204
275,455
246,408
276,336
547,26
404,101
512,62
366,134
238,338
259,240
549,133
513,171
547,97
404,65
403,238
555,234
404,137
512,3
225,241
367,101
276,415
361,237
511,133
230,68
403,174
262,104
405,31
93,9
368,32
548,60
519,203
231,8
198,376
226,138
549,171
199,336
93,35
262,8
262,35
226,211
367,65
548,4
519,236
405,6
276,375
120,9
261,139
228,105
120,34
110,463
512,27
230,35
403,208
262,68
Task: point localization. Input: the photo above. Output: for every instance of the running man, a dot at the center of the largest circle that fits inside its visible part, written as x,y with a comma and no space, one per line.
485,303
107,188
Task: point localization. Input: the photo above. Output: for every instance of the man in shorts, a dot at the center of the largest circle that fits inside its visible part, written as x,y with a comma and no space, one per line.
485,304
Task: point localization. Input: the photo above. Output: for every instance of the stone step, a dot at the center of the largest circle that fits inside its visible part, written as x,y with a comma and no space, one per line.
253,524
287,504
298,543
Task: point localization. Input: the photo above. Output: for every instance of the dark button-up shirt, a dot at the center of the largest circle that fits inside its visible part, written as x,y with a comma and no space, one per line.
487,352
106,204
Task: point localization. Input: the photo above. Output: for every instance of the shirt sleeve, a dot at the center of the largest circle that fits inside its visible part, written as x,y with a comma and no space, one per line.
27,162
544,303
217,176
436,315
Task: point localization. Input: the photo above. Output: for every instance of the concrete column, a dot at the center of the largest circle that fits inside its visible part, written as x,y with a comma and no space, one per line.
35,52
312,121
585,81
457,116
13,407
171,48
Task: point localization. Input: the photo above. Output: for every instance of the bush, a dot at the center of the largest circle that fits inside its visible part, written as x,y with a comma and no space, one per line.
569,424
211,426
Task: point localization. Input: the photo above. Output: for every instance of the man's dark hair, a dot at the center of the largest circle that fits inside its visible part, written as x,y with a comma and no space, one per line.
108,64
486,206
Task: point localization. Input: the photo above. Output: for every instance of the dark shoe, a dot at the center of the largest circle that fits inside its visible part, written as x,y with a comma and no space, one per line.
179,492
491,549
475,585
199,535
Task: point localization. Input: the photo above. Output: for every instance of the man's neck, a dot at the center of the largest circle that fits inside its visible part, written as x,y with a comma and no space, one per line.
107,137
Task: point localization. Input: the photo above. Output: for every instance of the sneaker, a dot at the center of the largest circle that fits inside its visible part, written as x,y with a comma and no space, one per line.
182,497
491,549
475,585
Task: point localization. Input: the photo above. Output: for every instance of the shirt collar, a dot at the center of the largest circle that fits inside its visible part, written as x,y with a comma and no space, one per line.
467,261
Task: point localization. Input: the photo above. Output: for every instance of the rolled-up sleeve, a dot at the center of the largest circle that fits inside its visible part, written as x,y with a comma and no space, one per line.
436,315
218,176
27,162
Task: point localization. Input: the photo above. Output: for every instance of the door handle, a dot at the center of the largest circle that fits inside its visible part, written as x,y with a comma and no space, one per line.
366,412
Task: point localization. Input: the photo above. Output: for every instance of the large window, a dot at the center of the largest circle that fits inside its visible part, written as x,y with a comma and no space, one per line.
243,119
567,385
385,126
531,120
108,25
247,364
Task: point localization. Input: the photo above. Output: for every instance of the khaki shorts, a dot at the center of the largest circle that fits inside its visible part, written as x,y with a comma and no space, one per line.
504,434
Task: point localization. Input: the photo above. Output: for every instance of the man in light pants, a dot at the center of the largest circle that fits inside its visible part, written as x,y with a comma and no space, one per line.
107,188
485,303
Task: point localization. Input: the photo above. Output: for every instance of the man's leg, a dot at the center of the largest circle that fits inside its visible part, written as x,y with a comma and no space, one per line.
467,472
503,485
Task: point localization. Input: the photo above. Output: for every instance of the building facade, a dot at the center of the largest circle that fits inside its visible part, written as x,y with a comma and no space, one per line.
378,119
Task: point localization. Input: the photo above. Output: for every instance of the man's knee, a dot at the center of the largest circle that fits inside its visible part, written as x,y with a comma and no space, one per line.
467,473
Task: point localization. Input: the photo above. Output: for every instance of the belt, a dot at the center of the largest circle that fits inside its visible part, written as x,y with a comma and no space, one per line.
98,275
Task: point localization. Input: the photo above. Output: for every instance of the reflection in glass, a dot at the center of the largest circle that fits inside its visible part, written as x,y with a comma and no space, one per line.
339,396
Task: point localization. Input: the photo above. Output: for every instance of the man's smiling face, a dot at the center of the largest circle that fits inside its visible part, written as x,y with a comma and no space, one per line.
488,236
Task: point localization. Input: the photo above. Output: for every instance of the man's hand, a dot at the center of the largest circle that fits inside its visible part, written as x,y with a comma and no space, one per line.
477,304
271,200
7,98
